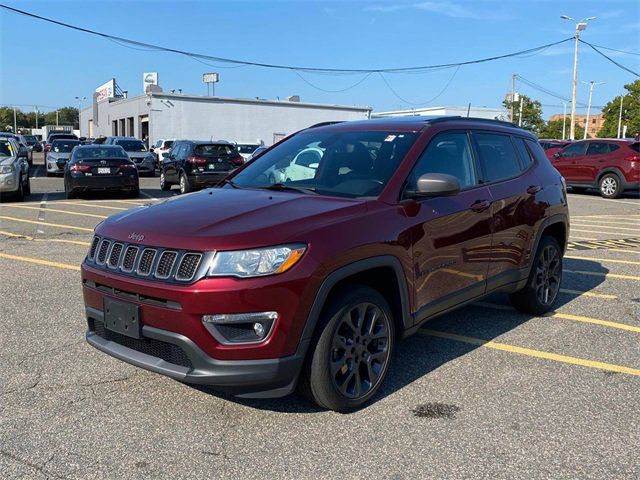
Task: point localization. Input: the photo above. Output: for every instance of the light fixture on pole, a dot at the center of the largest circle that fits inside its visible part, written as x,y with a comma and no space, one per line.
580,26
591,85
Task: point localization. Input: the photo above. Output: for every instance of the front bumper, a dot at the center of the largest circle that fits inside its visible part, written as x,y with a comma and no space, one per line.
176,356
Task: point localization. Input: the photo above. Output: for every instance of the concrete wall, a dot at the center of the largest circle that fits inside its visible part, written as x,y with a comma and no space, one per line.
207,118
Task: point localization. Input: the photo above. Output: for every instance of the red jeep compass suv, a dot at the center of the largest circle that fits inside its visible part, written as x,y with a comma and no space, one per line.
258,287
610,165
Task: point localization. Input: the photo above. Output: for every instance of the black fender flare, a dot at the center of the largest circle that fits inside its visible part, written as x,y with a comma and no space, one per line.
346,271
547,222
614,170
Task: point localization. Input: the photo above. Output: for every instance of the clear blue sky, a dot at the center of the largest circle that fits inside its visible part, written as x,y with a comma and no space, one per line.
45,64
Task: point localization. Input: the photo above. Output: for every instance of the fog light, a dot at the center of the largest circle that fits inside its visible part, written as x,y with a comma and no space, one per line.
237,328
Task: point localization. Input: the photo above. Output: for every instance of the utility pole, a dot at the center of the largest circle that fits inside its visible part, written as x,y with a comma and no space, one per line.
513,93
57,120
36,116
580,26
620,117
591,85
15,121
564,121
520,114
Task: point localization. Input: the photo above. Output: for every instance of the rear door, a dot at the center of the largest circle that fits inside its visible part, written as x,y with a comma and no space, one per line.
518,202
596,158
171,173
451,236
569,160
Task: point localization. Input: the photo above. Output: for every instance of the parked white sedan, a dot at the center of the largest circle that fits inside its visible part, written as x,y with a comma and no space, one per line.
302,167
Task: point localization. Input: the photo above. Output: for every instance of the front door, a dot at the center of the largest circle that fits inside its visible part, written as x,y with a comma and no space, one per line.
451,236
569,161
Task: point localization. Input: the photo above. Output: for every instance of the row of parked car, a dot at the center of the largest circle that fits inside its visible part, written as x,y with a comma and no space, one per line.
610,165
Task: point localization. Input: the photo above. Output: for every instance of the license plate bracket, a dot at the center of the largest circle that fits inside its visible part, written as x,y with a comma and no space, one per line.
122,317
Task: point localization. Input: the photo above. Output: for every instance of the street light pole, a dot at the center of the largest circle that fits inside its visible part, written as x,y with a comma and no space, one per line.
564,121
580,26
513,94
591,85
15,121
620,117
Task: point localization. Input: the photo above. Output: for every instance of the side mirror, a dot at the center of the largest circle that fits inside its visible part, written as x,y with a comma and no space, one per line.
437,185
557,155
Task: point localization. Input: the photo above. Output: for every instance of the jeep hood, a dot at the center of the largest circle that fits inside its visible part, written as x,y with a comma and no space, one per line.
224,218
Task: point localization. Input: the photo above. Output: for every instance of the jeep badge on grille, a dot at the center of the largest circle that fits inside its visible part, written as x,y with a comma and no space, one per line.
136,237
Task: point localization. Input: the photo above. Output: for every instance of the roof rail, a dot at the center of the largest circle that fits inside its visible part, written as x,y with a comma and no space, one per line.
473,119
324,124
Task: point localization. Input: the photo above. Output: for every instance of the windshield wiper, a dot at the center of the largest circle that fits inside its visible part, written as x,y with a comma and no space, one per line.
232,183
283,187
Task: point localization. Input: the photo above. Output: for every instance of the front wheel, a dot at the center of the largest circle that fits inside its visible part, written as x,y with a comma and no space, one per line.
540,294
351,357
610,186
19,195
185,186
164,185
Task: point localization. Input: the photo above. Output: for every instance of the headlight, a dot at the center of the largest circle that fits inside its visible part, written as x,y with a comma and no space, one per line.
256,263
7,168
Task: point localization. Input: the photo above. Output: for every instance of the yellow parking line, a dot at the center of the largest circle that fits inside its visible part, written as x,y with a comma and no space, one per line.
588,231
57,225
61,211
40,262
606,227
603,274
581,238
530,352
606,216
606,296
605,222
610,260
120,209
621,250
58,240
566,316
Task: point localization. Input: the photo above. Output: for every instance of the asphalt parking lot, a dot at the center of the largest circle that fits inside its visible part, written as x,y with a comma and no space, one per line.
483,392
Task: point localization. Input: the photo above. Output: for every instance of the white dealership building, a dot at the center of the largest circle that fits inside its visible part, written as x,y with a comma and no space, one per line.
161,115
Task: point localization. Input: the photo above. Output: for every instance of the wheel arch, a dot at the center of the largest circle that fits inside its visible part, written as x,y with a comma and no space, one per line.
606,170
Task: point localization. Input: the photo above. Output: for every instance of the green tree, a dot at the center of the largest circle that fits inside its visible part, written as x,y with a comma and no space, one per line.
553,129
531,113
66,116
6,119
630,113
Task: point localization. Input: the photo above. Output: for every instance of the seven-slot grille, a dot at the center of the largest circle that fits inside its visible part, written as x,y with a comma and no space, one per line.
149,262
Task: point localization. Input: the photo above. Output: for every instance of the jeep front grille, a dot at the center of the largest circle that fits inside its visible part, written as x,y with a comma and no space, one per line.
152,263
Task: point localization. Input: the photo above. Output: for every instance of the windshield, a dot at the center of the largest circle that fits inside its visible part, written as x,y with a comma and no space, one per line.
31,139
63,146
59,136
132,145
6,150
345,164
247,148
99,152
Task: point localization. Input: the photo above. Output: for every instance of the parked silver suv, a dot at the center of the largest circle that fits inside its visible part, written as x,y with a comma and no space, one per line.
14,169
138,153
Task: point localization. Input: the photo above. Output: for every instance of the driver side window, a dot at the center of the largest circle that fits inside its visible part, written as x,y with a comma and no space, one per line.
448,153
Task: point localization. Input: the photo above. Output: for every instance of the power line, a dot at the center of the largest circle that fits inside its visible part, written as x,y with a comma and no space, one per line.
278,66
421,103
611,59
616,50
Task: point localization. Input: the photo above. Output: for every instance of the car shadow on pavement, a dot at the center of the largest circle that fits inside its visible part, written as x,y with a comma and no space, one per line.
422,354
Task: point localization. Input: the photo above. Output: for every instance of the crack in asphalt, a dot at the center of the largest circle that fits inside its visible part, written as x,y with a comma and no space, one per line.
35,466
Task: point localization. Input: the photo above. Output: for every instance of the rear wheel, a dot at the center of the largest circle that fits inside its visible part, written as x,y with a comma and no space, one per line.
185,186
579,189
351,356
610,186
68,191
19,195
541,292
135,193
164,185
27,187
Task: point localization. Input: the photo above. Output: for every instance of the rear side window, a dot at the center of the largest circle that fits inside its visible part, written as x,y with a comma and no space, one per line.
598,148
448,153
613,147
536,151
635,146
498,158
523,153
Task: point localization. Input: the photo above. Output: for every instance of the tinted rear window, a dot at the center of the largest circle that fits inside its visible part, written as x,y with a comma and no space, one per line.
63,146
132,145
59,136
635,146
498,157
98,152
247,148
215,150
168,143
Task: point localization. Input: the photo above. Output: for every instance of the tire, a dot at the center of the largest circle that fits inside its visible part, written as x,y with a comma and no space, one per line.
152,173
164,185
134,193
68,193
49,174
185,186
541,293
333,383
19,195
27,189
579,189
610,186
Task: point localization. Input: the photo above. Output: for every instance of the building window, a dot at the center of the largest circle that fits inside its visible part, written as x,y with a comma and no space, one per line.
130,131
114,128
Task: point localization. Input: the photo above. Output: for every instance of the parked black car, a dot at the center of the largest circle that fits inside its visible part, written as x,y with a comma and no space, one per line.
100,168
33,142
198,164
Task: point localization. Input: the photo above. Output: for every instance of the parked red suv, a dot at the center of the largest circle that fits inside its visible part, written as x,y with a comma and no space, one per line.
610,165
551,147
257,287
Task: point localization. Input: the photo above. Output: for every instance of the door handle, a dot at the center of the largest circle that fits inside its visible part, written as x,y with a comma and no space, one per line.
533,189
480,205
